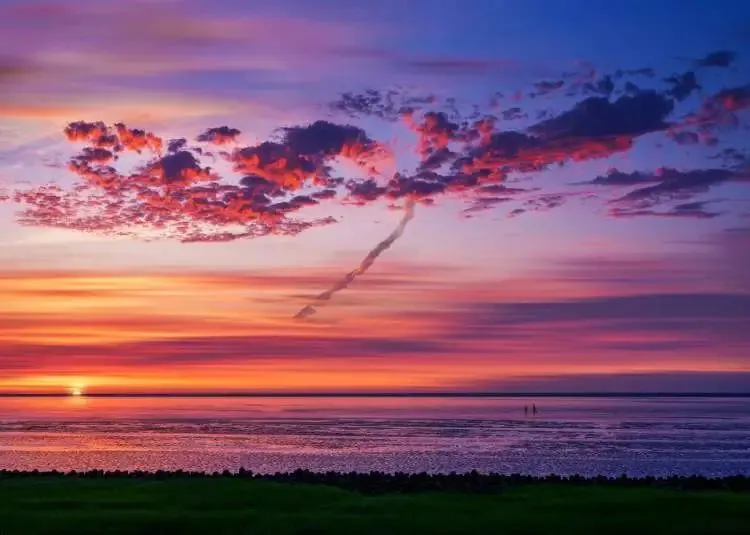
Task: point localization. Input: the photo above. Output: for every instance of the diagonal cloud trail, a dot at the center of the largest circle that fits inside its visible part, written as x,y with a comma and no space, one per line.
369,260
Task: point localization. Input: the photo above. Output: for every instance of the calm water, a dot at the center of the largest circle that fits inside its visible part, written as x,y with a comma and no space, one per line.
637,436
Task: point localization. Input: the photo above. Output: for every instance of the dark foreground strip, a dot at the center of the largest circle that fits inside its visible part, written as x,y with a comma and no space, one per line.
383,482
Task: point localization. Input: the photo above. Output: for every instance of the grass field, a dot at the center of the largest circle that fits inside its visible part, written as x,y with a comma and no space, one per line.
213,506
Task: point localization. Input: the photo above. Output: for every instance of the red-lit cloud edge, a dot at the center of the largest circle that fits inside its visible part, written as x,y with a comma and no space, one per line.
473,155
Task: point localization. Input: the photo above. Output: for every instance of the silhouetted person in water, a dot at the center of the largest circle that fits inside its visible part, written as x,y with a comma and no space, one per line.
525,410
533,409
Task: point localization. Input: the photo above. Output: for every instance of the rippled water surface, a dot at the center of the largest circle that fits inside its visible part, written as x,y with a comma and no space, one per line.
637,436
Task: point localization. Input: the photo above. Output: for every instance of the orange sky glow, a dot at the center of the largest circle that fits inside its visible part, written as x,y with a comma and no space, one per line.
229,331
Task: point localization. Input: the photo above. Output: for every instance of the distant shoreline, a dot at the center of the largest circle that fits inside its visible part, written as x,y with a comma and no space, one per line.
388,395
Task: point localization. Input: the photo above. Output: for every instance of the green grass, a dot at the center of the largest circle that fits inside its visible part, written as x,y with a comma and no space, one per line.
214,506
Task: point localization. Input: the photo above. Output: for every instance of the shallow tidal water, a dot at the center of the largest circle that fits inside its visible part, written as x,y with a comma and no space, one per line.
588,436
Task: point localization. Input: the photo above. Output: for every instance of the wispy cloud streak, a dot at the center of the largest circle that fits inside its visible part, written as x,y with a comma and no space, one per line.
368,261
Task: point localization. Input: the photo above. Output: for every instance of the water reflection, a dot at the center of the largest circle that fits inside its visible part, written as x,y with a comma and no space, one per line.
569,435
76,402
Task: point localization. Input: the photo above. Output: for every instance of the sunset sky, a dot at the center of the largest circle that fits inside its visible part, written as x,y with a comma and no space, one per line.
579,171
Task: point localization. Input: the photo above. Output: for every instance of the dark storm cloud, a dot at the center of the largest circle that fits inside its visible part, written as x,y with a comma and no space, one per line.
733,158
547,86
592,129
597,117
665,186
436,159
699,208
220,135
631,89
326,138
603,86
303,153
175,145
615,177
514,113
718,58
694,210
388,105
682,86
672,184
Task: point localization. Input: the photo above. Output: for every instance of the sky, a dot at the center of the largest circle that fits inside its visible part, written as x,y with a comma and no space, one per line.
354,197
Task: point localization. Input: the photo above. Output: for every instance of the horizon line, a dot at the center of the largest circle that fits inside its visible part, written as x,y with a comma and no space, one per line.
189,394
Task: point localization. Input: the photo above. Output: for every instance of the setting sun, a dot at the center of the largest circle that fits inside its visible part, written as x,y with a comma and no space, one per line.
76,391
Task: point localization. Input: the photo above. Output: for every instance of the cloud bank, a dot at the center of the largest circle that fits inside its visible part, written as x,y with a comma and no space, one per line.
132,182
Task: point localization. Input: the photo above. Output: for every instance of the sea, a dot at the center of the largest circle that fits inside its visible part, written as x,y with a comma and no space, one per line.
637,436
